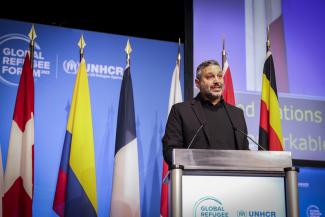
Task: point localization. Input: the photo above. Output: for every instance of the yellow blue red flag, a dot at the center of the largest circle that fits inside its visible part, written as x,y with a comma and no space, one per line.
76,186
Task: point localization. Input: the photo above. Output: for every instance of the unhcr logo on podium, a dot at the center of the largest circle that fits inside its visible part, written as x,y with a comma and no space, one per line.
256,213
241,213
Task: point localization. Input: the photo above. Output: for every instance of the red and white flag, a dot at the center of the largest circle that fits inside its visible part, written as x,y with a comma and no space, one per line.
175,96
18,177
228,92
1,181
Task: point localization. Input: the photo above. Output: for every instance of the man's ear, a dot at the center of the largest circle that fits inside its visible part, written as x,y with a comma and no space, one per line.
197,83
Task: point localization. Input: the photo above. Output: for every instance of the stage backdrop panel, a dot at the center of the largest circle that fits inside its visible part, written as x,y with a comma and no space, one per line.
298,50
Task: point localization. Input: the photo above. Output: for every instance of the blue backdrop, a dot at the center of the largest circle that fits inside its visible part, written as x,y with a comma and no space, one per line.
311,192
57,56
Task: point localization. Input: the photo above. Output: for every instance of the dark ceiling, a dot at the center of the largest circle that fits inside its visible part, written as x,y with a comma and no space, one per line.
163,20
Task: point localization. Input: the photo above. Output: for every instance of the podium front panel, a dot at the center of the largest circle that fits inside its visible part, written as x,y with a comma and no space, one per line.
239,196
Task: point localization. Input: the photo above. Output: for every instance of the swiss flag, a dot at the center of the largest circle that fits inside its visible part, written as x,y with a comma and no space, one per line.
18,177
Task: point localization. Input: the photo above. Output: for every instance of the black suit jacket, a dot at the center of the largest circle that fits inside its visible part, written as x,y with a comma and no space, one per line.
184,121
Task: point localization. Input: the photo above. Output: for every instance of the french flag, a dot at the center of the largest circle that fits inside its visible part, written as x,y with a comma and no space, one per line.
125,200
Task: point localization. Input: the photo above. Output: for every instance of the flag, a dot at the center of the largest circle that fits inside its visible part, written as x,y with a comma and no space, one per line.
175,96
18,177
1,181
270,133
125,200
75,193
228,91
275,18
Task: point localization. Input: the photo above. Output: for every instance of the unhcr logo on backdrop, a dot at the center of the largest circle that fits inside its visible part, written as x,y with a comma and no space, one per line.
94,70
209,206
70,67
12,59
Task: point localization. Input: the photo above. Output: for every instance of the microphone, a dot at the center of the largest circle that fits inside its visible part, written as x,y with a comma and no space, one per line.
195,135
242,132
237,129
222,101
166,178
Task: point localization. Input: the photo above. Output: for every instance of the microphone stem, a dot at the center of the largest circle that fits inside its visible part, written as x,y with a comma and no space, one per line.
235,128
195,136
250,138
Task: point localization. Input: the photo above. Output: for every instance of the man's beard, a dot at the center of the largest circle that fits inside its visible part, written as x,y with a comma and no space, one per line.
209,94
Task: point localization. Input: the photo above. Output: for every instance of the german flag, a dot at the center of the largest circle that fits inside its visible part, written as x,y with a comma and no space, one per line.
270,133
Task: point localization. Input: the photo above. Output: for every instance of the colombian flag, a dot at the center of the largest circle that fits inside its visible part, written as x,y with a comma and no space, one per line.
76,186
270,134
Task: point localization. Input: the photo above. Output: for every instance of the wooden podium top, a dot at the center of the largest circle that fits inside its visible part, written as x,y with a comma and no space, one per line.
236,160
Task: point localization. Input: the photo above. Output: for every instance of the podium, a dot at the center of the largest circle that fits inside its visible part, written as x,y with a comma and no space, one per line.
226,183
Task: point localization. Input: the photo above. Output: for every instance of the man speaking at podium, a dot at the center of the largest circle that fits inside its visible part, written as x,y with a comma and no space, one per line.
205,122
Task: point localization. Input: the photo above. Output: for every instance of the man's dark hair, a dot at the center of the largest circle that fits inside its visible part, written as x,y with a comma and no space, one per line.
203,65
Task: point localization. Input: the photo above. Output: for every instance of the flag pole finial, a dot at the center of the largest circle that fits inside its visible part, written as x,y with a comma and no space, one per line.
32,35
82,44
268,42
179,51
128,50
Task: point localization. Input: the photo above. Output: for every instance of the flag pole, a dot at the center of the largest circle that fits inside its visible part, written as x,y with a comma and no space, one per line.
82,45
179,51
268,42
128,50
179,57
223,53
32,35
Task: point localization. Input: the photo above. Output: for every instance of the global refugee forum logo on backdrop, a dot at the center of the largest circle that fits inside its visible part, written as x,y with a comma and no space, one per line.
313,211
209,206
13,48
